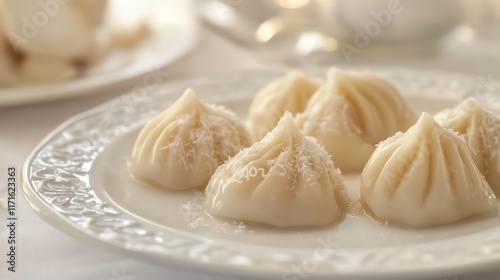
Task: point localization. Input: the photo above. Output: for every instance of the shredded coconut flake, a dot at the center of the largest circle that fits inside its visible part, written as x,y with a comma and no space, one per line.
196,218
300,157
215,135
490,134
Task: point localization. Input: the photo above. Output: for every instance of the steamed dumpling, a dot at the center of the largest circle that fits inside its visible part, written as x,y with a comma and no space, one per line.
285,179
327,120
181,147
424,177
289,93
60,30
47,42
481,130
351,113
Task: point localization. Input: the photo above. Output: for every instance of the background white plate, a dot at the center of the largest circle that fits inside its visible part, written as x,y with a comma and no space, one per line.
174,33
77,179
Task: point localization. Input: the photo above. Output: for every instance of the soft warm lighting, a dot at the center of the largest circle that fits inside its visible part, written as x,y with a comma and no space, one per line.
292,4
268,29
330,44
223,13
314,41
127,14
464,33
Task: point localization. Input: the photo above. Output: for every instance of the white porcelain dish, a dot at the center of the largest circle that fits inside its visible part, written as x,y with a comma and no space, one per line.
77,179
173,34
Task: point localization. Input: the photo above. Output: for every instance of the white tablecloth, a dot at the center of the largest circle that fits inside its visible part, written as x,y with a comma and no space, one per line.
44,252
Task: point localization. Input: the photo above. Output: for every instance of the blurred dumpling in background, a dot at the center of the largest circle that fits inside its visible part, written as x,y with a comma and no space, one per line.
289,93
51,29
424,177
286,179
481,130
47,41
127,22
326,119
183,146
351,113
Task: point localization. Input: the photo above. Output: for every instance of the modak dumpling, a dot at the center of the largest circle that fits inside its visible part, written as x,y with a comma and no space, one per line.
52,29
181,147
284,180
351,113
288,93
49,41
424,177
481,130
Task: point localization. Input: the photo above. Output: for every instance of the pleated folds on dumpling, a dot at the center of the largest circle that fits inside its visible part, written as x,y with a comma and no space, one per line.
285,179
288,93
424,177
183,146
481,130
351,113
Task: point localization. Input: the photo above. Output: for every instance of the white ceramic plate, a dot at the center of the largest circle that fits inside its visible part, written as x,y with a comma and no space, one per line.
173,33
77,179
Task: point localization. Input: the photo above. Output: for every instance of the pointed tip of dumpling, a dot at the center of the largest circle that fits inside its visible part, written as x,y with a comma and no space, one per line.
286,120
471,103
425,116
288,116
427,120
466,110
190,93
189,97
286,125
336,76
425,125
462,111
471,99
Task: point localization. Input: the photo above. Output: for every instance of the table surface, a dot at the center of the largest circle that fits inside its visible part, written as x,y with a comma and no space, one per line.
45,252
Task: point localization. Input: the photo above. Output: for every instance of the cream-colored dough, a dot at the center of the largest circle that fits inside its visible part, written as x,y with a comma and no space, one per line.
424,177
284,180
481,130
182,147
351,113
288,93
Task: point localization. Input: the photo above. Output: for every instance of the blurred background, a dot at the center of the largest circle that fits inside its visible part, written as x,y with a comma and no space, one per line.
47,42
449,34
59,58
